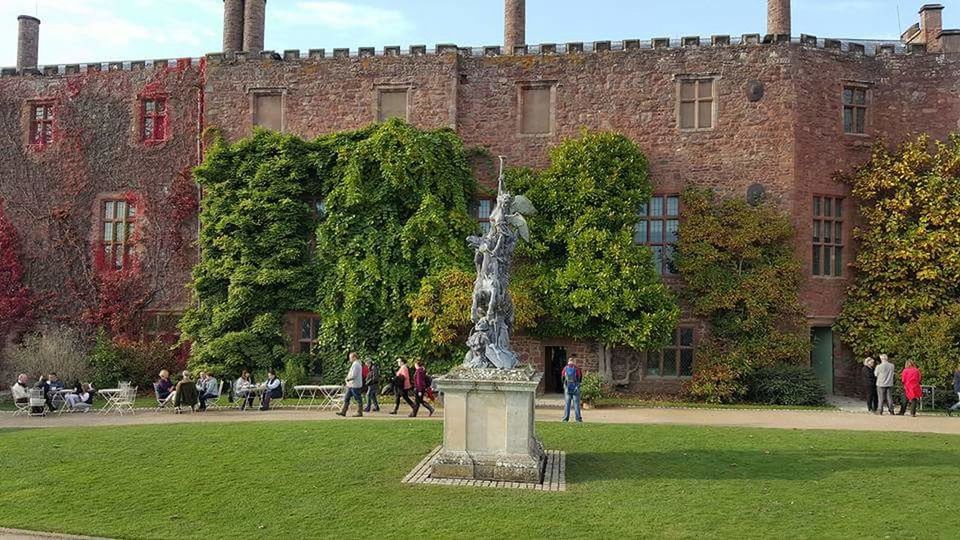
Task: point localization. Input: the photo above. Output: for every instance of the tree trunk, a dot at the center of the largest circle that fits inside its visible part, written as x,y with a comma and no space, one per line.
606,367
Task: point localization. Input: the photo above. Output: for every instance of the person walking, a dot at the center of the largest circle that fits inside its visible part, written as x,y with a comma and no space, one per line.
571,377
885,373
870,379
956,389
402,385
354,382
421,382
372,381
912,390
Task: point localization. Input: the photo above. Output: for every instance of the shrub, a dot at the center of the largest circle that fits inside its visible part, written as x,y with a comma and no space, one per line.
137,362
59,349
785,384
718,383
294,371
591,388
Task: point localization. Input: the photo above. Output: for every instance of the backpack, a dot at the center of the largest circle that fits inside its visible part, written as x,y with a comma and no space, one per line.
570,376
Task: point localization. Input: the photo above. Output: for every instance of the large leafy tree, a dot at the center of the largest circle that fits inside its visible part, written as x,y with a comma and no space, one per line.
741,274
592,280
907,286
346,226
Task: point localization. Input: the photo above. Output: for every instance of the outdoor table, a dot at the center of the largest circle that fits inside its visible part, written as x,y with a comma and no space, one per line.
62,394
111,395
931,392
328,396
305,391
246,392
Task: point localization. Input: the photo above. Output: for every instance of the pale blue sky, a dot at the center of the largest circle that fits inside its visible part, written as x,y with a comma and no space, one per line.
102,30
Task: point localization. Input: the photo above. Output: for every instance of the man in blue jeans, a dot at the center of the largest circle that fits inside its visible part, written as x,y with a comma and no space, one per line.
354,382
572,377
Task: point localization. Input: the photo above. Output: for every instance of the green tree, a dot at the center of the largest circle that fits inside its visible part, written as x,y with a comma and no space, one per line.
591,279
741,274
907,283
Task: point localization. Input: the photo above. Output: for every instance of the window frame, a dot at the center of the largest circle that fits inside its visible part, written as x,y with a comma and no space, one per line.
865,107
129,223
677,347
697,80
35,126
152,330
163,118
551,87
407,90
484,222
313,330
836,245
268,92
662,264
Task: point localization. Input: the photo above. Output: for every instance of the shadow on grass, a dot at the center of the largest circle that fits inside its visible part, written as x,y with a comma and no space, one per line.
741,464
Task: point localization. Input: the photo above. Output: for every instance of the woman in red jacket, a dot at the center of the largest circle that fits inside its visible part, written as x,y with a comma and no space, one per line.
911,387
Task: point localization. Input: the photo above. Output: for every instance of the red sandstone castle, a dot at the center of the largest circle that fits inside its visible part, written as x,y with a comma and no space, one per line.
95,159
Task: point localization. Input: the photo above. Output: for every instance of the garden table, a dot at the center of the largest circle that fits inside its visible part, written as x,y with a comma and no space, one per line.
329,395
62,395
305,391
249,392
111,395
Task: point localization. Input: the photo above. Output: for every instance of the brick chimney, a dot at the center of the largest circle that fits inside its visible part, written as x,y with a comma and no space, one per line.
232,25
254,19
931,24
514,24
28,42
778,17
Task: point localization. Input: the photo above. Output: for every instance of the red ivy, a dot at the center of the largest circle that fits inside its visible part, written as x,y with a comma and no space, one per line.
16,301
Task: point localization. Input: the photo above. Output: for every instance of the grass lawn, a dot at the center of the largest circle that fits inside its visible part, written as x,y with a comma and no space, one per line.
327,478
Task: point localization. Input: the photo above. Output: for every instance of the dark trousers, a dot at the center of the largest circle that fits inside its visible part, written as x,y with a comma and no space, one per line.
912,403
873,400
355,394
420,402
203,399
372,397
405,394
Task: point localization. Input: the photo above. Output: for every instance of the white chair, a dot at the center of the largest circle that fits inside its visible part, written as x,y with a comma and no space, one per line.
23,407
126,399
161,402
37,401
215,402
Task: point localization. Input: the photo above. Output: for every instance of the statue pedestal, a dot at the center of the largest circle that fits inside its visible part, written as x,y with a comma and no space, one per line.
488,426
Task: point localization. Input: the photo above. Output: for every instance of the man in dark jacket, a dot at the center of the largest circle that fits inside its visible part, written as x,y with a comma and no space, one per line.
870,379
372,382
956,388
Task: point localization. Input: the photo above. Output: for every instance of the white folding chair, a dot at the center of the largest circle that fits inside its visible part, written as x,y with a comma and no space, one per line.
215,402
37,401
23,407
126,399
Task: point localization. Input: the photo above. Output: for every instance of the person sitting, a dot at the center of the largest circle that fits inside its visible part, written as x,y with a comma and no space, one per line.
53,385
185,393
81,399
271,390
243,389
164,388
208,388
19,390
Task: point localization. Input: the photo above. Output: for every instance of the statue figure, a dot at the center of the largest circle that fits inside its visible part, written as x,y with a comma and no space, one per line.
492,308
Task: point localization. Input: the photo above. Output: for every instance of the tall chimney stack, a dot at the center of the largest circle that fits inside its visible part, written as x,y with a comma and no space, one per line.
232,25
514,27
28,42
254,19
778,17
931,24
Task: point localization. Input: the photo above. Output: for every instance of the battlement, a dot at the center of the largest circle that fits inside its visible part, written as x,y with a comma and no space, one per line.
98,67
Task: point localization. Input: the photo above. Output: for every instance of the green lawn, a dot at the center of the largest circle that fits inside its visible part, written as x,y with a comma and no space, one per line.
332,479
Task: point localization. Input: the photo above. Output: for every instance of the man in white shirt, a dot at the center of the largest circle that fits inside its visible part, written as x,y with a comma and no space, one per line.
354,382
19,389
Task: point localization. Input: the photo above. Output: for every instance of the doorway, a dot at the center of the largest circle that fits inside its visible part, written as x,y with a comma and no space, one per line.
821,355
554,360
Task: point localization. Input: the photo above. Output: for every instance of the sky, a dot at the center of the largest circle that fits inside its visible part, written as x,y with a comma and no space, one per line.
77,31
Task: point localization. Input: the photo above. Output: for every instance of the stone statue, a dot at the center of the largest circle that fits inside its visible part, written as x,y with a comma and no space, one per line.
492,309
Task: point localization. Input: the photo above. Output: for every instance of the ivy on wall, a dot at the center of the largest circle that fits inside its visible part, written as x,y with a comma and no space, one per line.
347,226
16,300
741,274
906,296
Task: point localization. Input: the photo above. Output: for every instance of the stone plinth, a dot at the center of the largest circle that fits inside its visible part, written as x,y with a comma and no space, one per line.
488,426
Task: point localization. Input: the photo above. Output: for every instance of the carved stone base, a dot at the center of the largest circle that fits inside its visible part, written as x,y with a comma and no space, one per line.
488,426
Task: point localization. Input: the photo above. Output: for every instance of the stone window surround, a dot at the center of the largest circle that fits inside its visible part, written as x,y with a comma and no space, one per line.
690,77
552,85
29,113
130,244
313,327
141,118
380,89
832,220
258,91
675,345
867,121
